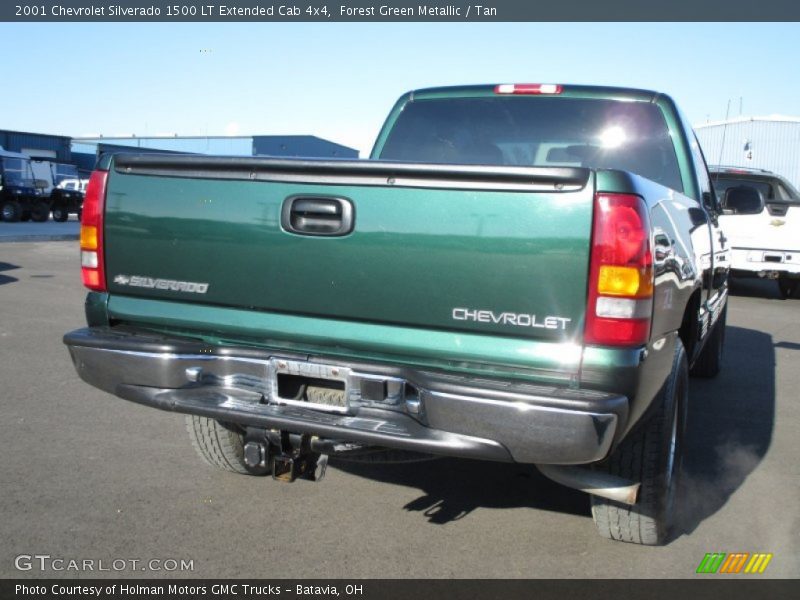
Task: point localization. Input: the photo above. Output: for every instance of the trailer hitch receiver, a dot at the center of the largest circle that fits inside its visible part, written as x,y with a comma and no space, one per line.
290,462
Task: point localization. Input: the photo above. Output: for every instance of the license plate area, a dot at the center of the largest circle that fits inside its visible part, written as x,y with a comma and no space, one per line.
310,385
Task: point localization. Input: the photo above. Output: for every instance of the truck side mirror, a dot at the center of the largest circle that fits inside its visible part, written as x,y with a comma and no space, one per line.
743,200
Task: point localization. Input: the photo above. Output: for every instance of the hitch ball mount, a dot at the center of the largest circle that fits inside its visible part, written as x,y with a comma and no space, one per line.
287,456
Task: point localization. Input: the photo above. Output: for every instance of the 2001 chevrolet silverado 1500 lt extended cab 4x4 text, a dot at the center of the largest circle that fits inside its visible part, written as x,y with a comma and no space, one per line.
520,273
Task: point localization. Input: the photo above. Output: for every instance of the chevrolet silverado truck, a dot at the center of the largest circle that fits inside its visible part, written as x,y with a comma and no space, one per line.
524,273
761,217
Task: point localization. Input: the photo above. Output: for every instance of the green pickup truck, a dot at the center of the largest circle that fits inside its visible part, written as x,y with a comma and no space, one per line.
524,273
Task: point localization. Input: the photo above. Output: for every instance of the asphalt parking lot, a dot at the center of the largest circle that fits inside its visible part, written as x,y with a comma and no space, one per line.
88,476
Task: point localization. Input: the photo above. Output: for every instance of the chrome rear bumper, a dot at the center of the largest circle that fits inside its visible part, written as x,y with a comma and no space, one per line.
417,410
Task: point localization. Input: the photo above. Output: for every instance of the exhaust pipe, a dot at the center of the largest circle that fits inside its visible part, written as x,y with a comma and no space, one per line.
593,482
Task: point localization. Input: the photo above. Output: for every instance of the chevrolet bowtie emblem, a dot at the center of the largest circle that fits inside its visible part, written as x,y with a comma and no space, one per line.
777,222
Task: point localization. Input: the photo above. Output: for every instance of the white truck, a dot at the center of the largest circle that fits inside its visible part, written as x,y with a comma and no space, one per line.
762,227
57,187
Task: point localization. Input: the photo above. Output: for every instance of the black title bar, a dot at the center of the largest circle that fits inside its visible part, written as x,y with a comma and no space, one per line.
700,588
293,11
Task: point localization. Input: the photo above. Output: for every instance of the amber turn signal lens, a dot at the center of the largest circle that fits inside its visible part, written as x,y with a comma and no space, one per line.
88,237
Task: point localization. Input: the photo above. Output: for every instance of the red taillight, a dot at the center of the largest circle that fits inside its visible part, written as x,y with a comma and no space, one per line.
620,302
527,88
93,270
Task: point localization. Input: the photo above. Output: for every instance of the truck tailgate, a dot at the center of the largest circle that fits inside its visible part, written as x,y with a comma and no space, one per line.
480,249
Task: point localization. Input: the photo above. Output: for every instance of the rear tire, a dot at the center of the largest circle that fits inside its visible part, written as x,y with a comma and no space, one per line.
11,211
709,363
60,214
40,212
219,444
652,455
788,287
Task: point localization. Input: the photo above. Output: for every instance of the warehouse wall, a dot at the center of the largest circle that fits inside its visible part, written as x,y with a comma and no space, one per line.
761,144
36,144
84,162
307,146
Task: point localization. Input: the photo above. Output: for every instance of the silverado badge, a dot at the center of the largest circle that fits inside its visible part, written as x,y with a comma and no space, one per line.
171,285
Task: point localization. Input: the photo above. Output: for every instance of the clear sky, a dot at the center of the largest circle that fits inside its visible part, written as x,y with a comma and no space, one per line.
339,80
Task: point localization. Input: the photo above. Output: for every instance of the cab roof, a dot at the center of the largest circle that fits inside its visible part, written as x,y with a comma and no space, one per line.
567,90
738,170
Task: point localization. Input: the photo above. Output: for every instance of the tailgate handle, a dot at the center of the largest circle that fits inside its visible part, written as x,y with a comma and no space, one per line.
317,215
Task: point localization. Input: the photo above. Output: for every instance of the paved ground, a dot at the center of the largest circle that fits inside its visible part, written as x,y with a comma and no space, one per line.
49,231
84,475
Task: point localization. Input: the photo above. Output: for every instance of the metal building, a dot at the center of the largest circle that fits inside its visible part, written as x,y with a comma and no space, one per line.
37,145
771,143
83,152
307,146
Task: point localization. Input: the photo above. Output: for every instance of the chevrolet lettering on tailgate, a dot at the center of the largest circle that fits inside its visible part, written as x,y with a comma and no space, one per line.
508,318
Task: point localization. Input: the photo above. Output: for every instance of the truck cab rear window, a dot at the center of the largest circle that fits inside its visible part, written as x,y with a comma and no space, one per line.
771,189
537,131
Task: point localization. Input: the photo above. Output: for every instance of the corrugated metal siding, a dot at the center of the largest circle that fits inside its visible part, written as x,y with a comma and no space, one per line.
775,146
305,146
17,141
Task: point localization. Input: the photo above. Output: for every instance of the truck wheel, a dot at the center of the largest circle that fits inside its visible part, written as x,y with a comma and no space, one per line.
218,444
788,286
60,214
11,211
652,455
40,212
709,362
